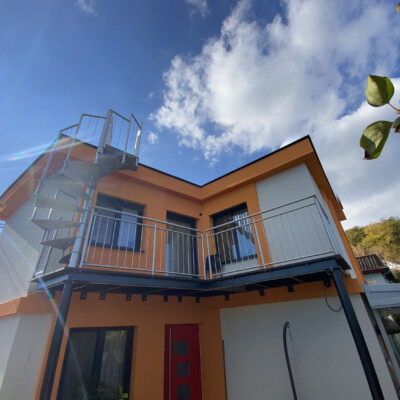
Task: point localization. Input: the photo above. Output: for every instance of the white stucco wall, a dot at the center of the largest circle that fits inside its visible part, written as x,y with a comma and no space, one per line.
20,372
324,359
19,249
8,328
301,232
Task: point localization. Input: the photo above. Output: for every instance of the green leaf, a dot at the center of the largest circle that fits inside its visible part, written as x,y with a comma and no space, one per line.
396,125
398,7
379,90
374,138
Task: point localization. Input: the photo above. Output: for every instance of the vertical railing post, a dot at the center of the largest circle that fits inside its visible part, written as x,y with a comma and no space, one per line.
154,249
209,257
258,243
202,253
88,231
326,225
105,133
126,141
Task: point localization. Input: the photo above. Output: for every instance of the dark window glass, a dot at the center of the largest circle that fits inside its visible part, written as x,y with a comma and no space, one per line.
111,228
234,239
183,392
182,369
180,348
97,364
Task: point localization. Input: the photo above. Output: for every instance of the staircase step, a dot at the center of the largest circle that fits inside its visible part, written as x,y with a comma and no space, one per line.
82,171
47,202
62,244
51,224
109,164
67,258
68,186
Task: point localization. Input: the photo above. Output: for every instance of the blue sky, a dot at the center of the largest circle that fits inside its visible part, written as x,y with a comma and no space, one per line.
217,83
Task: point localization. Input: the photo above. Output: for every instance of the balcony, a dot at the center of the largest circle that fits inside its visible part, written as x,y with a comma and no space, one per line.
283,238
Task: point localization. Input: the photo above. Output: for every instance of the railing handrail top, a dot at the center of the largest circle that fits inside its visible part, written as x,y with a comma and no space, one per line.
264,211
146,218
212,228
119,115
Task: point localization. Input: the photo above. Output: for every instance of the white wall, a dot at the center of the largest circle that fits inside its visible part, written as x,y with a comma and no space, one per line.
301,232
324,359
26,354
8,328
19,249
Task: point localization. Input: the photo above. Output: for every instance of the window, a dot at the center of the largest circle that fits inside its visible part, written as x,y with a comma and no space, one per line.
234,239
97,364
112,228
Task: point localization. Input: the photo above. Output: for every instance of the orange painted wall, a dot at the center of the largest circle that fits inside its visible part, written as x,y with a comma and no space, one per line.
149,319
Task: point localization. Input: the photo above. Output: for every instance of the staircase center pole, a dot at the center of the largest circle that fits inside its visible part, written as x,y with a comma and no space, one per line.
55,345
77,249
358,337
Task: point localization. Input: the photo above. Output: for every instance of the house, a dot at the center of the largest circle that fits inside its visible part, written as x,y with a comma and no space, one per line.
119,279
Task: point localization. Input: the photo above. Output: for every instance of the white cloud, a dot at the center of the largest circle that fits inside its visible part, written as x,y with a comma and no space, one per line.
152,138
257,87
199,6
87,6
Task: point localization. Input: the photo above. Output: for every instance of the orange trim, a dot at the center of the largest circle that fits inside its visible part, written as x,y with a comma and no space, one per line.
300,152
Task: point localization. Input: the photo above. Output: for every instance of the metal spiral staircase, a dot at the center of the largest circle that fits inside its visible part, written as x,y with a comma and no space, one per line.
65,191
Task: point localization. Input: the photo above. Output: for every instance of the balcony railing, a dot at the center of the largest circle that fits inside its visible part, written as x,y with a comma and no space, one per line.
295,232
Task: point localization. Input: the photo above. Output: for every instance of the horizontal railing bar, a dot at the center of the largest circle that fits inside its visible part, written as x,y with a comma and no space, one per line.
119,115
146,218
94,116
69,127
263,212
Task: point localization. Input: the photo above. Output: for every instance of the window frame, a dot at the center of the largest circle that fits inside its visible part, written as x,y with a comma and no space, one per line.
118,207
98,354
240,208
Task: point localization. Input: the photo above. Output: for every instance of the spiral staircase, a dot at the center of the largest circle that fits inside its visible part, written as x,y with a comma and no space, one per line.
64,194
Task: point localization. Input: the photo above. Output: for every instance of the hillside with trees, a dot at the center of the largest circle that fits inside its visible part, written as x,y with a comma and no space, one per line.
381,238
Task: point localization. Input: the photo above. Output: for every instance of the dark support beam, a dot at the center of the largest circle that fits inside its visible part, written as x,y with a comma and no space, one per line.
358,337
55,345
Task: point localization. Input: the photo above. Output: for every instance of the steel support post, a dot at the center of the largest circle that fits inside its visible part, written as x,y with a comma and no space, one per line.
55,345
358,337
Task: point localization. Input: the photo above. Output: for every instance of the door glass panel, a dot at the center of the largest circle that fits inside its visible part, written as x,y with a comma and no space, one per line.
180,348
182,369
112,362
181,250
183,392
79,365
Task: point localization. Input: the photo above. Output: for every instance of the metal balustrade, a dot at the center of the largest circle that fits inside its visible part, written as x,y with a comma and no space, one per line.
295,232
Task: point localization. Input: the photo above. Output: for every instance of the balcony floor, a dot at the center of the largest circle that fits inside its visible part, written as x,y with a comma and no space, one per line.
90,280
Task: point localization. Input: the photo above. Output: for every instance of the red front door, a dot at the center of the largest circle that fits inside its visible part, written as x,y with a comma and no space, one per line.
182,373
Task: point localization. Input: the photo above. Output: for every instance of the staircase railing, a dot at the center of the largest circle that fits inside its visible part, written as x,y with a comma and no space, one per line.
114,131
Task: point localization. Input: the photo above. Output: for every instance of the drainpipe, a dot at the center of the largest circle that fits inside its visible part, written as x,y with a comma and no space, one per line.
55,345
363,352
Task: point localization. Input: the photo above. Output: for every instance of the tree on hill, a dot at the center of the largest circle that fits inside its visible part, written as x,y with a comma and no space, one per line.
381,238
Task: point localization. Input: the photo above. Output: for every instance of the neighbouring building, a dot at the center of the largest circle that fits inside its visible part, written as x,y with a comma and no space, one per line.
118,280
